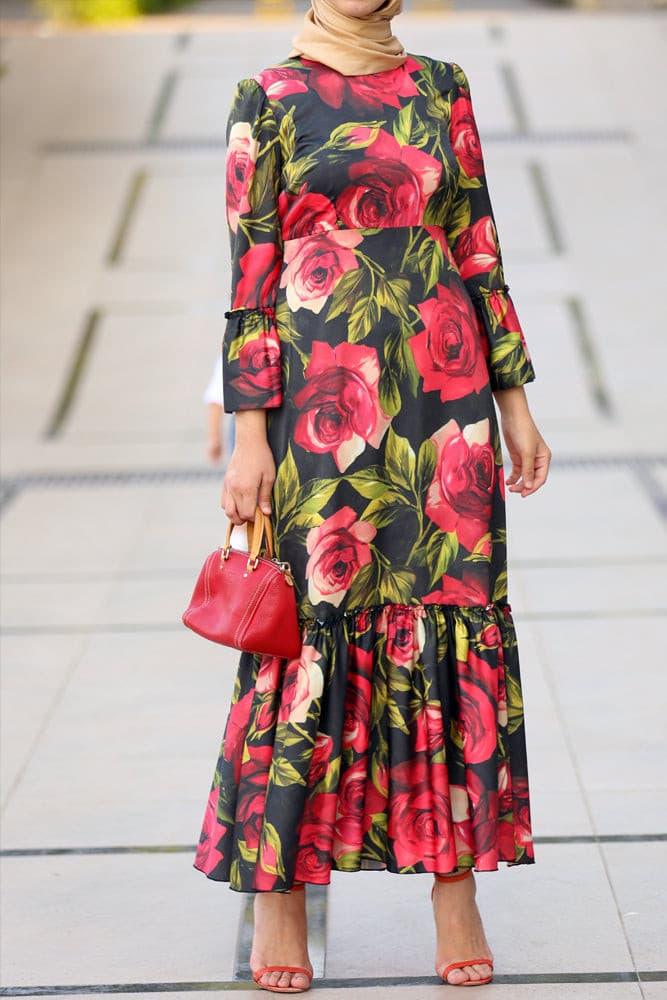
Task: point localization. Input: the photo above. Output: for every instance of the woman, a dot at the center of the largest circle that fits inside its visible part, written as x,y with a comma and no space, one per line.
370,331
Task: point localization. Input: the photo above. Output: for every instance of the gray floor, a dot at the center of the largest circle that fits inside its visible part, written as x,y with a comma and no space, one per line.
115,280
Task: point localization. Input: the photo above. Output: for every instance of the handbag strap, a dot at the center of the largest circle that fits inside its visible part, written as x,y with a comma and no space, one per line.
261,529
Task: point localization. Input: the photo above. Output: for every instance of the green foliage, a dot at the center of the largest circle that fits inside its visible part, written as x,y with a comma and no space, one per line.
99,11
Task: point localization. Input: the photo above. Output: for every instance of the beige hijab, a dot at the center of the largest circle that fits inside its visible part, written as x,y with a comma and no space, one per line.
351,45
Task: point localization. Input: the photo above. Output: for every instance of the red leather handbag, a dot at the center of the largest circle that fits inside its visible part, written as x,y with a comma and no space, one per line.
246,600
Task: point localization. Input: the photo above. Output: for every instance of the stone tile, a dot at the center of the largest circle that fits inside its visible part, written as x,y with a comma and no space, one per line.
399,935
176,225
570,503
638,873
567,593
136,733
628,810
100,919
615,728
35,672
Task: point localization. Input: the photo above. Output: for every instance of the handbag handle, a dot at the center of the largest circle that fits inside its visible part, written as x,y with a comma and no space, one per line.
261,529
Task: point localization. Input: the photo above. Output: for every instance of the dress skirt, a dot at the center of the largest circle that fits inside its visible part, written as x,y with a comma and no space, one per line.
371,319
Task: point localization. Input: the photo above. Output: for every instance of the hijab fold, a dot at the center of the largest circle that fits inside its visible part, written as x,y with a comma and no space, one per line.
351,45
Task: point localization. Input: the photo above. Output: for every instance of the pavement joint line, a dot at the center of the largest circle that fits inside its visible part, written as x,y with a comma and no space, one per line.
26,480
514,98
114,628
652,488
195,144
177,573
591,362
161,106
575,838
76,369
546,203
516,979
137,185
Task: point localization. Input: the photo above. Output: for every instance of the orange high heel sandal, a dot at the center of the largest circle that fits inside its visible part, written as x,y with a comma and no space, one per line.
293,969
485,960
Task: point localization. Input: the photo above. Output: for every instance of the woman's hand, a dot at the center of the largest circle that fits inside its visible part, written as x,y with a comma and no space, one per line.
527,449
251,471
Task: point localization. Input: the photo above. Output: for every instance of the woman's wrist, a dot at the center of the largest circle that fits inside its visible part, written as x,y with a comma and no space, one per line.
512,401
250,426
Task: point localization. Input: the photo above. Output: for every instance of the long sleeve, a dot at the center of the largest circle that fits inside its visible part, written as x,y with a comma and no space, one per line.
473,239
251,355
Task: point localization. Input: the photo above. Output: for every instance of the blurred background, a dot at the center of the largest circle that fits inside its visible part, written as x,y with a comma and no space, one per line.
114,275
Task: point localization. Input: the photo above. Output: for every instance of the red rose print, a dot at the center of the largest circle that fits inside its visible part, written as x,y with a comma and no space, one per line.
278,83
235,731
404,628
476,248
305,214
429,728
239,169
314,265
460,498
391,186
470,591
339,405
484,808
478,690
260,267
419,823
316,833
521,805
208,856
338,548
464,137
349,820
303,682
260,367
320,760
357,713
268,674
463,834
369,91
448,352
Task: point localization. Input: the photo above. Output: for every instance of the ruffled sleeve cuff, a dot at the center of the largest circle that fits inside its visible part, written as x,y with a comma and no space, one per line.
251,361
508,360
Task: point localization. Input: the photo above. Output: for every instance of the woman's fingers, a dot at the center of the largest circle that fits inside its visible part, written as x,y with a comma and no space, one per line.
229,506
265,492
540,469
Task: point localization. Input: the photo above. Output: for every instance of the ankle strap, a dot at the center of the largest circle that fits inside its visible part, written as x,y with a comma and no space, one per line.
454,877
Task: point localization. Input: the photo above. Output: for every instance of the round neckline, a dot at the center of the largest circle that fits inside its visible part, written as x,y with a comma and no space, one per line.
354,76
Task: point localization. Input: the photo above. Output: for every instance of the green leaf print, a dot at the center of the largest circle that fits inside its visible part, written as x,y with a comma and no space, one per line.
286,486
396,585
283,773
394,294
441,551
270,842
390,393
347,291
363,316
431,262
287,133
426,463
402,126
500,588
400,460
514,703
354,135
370,483
459,217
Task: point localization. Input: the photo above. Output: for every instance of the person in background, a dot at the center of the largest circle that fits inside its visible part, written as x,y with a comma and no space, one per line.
216,421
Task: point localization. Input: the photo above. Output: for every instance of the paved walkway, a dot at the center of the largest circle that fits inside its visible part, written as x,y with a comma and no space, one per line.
115,280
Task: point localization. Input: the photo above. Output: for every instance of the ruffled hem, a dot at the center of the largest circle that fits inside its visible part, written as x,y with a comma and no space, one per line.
396,742
251,371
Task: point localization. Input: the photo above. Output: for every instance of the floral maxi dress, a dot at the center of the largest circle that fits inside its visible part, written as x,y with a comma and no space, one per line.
371,319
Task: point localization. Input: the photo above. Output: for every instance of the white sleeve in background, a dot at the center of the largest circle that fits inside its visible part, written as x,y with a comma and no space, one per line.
213,392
